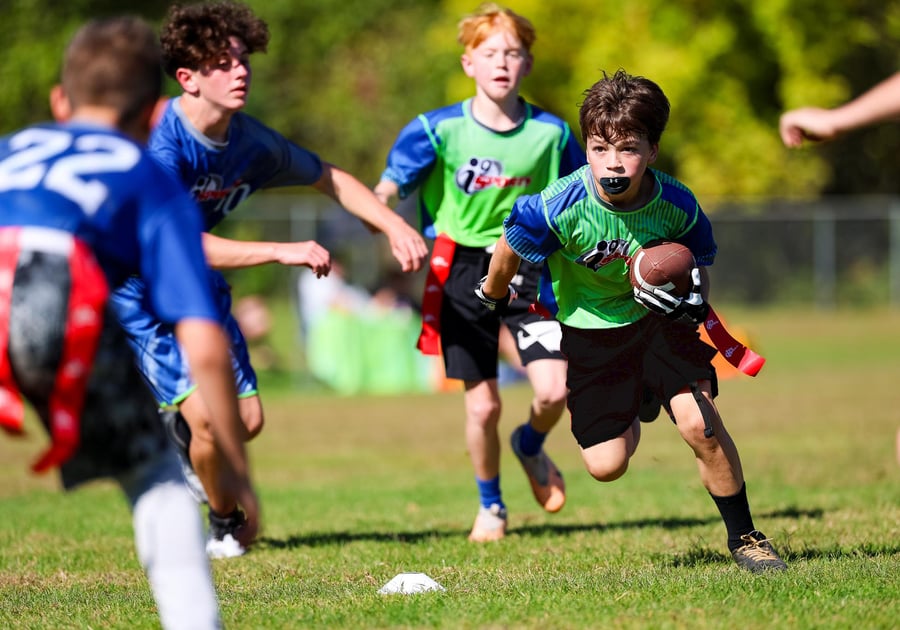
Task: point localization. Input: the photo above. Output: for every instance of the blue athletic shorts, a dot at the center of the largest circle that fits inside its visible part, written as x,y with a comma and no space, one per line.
159,356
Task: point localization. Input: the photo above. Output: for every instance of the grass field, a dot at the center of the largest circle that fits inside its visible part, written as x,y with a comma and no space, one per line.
357,490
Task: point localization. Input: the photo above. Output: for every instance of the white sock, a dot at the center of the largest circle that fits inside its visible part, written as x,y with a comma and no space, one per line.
170,542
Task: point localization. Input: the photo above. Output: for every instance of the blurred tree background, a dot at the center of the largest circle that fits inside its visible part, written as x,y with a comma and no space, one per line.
342,77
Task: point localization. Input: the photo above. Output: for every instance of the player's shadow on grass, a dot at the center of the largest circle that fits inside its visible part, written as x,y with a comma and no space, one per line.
664,523
703,555
543,530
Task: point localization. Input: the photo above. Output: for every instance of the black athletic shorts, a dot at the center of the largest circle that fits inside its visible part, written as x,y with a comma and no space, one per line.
120,425
470,332
609,369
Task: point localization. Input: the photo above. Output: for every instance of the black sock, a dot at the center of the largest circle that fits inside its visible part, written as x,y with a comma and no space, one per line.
735,511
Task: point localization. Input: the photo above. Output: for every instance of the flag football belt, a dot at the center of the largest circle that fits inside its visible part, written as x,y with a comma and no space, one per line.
736,353
438,271
84,322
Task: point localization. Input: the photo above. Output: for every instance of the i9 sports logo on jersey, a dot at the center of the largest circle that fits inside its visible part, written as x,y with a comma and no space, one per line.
480,173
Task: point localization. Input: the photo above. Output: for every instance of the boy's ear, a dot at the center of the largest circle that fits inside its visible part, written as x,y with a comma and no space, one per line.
60,106
467,65
186,80
654,152
529,64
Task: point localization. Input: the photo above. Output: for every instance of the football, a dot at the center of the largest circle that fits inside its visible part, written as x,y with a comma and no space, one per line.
664,265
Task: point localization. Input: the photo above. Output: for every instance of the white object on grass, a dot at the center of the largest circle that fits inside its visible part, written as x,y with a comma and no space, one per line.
410,583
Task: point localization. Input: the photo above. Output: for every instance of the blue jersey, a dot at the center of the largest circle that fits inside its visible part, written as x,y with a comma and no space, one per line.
103,188
220,176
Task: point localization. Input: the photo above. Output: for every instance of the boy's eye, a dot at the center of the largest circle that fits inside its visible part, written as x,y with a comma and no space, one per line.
514,55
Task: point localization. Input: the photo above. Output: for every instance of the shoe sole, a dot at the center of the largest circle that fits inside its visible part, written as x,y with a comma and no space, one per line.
483,536
551,497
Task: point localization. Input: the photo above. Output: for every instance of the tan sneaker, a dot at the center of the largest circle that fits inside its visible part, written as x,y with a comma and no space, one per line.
546,481
490,524
757,555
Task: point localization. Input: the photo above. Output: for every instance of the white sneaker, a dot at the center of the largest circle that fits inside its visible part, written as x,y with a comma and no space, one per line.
225,547
490,524
221,542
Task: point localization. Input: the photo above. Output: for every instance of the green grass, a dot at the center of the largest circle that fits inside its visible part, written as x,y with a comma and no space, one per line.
356,490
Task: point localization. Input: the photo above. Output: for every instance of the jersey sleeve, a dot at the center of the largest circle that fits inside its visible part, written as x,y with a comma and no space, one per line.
412,157
699,239
527,231
296,166
173,265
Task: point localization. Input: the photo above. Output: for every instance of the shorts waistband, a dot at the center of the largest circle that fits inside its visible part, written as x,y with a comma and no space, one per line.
476,250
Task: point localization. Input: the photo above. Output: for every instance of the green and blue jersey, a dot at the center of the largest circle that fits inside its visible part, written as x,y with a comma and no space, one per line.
587,243
469,175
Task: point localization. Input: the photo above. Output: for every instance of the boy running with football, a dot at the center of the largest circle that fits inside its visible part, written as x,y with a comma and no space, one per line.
584,228
82,207
470,161
223,155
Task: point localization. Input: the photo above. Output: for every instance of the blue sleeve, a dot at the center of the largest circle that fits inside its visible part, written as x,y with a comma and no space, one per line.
699,239
173,265
296,166
527,231
412,157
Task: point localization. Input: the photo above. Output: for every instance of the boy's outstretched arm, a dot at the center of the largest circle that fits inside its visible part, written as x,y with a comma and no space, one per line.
879,103
226,253
407,244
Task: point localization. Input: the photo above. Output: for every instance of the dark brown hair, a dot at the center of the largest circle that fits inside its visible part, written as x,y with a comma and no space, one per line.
195,33
113,62
621,105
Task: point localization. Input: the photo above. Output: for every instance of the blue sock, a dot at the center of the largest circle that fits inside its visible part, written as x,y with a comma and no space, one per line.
531,441
489,491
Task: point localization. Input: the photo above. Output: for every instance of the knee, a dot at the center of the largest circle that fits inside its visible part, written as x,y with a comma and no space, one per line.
551,397
484,412
692,428
606,469
253,424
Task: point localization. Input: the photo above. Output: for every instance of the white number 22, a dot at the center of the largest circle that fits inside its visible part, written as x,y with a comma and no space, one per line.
70,175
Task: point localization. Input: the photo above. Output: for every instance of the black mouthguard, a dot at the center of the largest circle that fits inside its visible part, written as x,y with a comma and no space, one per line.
615,185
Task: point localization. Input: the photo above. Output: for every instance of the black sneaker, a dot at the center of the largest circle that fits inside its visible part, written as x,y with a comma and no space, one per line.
757,555
222,541
180,436
177,429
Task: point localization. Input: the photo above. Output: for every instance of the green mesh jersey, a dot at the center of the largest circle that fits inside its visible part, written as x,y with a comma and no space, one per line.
468,175
586,244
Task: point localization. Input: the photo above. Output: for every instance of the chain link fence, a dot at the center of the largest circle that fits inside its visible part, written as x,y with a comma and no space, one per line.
827,253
